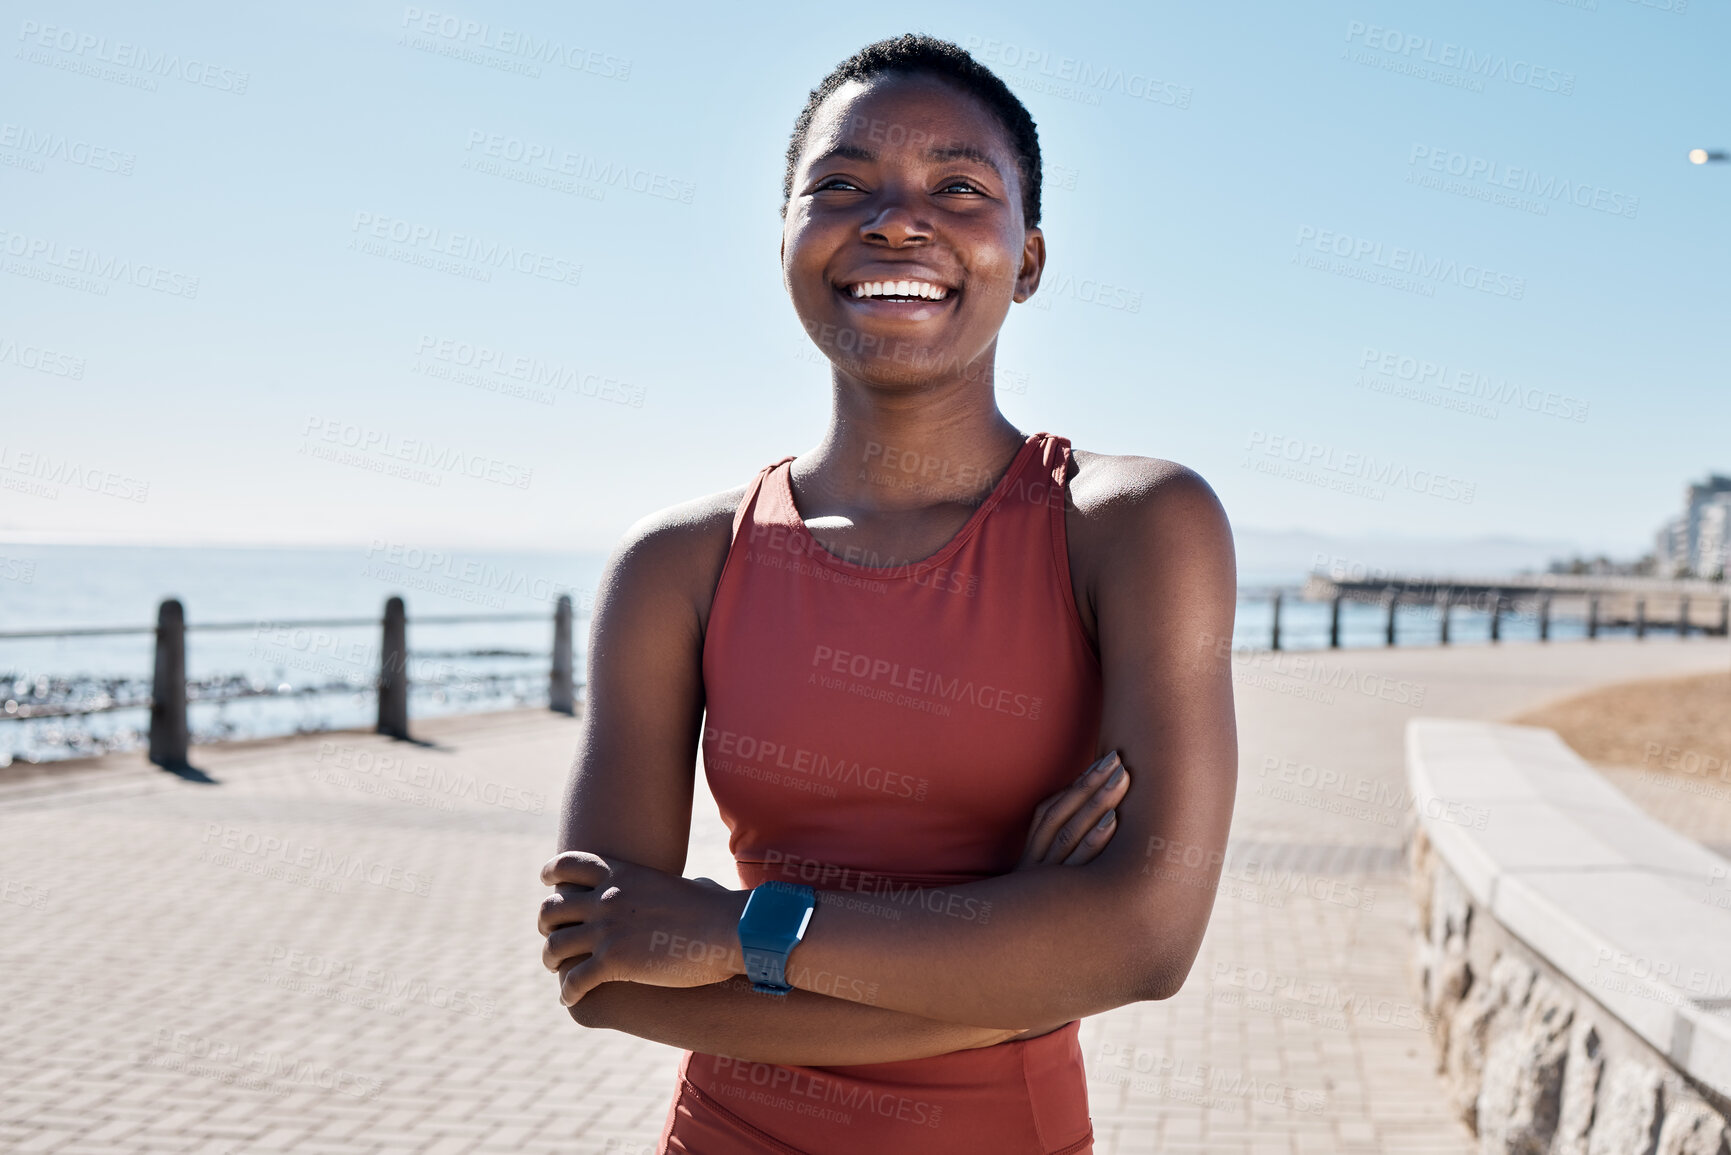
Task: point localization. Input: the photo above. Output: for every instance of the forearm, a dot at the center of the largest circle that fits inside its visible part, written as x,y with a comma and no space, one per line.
797,1029
1059,943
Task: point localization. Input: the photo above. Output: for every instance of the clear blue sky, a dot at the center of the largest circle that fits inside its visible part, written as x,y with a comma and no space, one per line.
277,138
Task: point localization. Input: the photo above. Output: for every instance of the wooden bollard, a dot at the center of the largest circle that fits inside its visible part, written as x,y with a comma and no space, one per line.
1545,618
168,733
1640,617
1592,617
1497,617
561,697
1725,618
1683,616
1443,634
394,672
1393,599
1334,624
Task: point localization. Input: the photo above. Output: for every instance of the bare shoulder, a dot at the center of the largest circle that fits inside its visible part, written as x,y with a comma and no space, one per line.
1148,541
1125,497
690,523
674,553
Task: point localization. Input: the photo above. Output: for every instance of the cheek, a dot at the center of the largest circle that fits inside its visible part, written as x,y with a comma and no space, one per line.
802,261
996,264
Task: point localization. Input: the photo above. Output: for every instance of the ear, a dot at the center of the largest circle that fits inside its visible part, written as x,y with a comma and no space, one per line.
1033,265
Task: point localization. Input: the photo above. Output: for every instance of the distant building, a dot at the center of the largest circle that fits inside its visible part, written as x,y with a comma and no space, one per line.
1698,544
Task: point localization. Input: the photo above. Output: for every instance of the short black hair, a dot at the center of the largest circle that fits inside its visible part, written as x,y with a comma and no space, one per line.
914,54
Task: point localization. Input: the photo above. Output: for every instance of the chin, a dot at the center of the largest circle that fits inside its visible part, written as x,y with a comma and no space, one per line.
892,376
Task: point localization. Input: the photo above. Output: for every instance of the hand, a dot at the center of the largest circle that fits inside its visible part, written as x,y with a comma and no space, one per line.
609,920
1074,825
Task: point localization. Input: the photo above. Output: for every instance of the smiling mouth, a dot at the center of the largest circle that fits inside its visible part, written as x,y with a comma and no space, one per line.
909,290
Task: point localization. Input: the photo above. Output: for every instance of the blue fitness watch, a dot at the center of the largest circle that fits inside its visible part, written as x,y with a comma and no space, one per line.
775,918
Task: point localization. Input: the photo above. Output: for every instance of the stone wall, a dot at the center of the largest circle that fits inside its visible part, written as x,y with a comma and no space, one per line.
1532,1063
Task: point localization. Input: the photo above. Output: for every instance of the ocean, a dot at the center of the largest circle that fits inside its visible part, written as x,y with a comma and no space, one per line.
270,677
68,697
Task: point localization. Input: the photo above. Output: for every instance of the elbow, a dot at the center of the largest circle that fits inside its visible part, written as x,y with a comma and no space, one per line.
1161,963
1157,984
590,1012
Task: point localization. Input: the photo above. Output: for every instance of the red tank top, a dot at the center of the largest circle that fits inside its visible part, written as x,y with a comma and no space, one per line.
898,721
886,731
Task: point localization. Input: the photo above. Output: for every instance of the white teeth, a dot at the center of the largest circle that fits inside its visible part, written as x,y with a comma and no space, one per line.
922,289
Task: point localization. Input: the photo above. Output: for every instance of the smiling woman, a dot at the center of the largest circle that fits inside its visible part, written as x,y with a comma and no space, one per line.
954,686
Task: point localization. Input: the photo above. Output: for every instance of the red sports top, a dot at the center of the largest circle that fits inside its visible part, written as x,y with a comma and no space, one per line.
884,732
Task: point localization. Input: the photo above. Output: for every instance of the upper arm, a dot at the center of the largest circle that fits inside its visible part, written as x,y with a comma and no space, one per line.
1164,593
631,782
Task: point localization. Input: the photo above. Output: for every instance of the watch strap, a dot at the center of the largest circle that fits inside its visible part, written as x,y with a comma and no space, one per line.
773,923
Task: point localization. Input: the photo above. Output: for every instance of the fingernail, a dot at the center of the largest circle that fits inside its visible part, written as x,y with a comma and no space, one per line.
1099,767
1117,777
1110,817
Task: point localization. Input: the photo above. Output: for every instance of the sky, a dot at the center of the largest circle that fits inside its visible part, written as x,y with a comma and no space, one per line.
505,275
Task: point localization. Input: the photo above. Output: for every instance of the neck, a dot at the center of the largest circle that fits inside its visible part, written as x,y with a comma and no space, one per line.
887,450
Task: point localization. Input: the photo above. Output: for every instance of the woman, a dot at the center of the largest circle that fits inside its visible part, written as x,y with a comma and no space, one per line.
892,649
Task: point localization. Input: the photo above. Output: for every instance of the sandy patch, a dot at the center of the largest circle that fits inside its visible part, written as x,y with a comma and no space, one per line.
1657,725
1666,743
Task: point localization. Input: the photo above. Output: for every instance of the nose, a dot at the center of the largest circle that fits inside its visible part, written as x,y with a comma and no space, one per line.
896,225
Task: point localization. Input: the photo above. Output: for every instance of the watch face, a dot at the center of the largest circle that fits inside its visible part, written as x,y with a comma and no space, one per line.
776,915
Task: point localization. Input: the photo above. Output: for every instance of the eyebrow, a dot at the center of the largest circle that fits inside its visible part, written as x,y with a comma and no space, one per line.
963,152
947,152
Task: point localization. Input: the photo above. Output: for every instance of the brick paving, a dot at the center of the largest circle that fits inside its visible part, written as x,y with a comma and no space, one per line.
332,950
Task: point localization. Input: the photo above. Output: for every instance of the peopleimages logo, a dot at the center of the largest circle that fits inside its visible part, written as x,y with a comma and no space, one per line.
433,241
532,371
461,33
1316,671
1485,178
1471,383
409,451
43,467
917,681
87,46
40,359
69,149
1465,64
1360,467
579,166
730,750
97,264
1409,263
1089,79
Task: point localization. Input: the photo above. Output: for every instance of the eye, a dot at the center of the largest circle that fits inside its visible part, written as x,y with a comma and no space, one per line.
961,184
836,182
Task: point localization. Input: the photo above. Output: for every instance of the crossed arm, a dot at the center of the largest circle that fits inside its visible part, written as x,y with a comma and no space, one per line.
642,950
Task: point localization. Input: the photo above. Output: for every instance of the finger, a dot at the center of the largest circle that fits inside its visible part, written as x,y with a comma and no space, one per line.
1094,841
1107,795
1057,809
1064,806
568,944
577,866
1040,812
567,905
578,981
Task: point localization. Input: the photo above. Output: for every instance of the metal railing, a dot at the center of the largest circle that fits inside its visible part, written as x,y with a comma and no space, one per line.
170,737
1498,606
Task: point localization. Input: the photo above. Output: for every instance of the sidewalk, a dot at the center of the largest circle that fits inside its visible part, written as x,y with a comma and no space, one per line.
333,950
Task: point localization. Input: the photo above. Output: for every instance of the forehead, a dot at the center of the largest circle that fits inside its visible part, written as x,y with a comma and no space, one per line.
915,112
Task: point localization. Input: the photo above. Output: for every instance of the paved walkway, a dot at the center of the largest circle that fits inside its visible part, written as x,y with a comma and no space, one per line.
333,950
